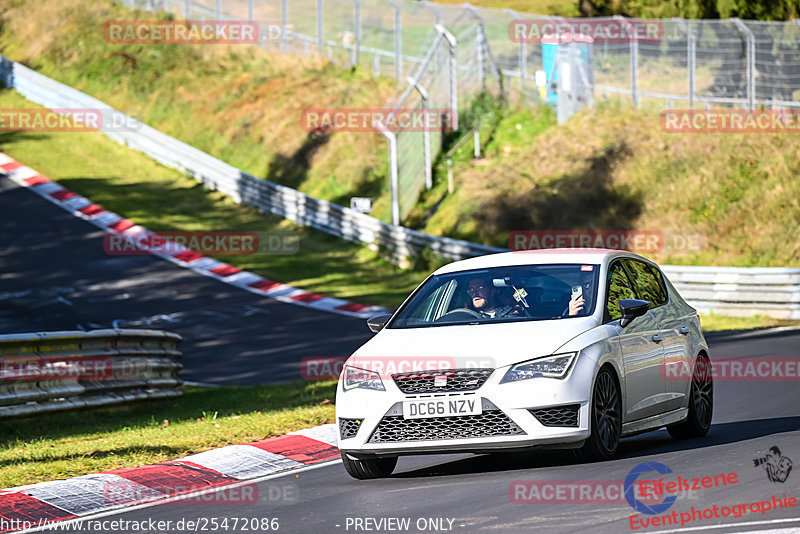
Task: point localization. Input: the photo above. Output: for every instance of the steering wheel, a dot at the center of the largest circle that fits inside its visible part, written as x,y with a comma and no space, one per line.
453,313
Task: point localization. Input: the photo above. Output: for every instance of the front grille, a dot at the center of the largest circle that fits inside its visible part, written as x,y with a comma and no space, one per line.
348,428
393,428
558,416
457,380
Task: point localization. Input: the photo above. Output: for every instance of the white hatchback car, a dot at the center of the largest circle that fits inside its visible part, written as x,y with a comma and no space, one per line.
566,348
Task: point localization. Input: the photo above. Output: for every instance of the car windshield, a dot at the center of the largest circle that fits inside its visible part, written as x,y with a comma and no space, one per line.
501,294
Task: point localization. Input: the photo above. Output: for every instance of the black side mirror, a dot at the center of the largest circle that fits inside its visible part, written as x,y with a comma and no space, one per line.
631,309
377,323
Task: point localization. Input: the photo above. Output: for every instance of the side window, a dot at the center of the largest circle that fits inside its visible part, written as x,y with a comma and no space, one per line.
619,287
648,282
424,313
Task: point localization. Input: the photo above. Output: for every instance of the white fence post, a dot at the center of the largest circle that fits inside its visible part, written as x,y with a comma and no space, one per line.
426,134
320,26
451,41
355,57
392,138
398,40
751,52
436,14
284,25
634,53
523,53
480,42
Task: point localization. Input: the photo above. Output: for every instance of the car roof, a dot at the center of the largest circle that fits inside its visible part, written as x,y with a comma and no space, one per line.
593,256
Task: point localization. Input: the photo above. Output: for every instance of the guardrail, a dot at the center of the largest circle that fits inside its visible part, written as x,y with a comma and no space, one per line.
398,242
772,291
53,371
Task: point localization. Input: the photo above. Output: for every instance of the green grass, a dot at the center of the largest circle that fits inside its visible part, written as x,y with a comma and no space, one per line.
239,103
75,443
136,187
713,322
613,168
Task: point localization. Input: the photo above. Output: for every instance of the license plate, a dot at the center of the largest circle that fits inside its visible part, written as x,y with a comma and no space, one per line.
426,408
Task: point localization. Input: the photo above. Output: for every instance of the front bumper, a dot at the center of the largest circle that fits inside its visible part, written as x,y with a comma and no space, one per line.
370,422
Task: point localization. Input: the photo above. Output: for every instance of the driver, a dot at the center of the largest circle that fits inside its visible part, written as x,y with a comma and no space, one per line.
483,297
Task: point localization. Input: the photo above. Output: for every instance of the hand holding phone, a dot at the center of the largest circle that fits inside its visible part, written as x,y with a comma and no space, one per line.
576,301
577,292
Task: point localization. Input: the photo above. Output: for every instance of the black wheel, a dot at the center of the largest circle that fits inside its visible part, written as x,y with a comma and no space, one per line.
606,420
368,468
701,404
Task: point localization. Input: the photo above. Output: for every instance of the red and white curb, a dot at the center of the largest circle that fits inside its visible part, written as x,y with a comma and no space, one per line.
61,500
111,222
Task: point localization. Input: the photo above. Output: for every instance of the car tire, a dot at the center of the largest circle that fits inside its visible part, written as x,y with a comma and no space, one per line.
701,403
369,468
606,419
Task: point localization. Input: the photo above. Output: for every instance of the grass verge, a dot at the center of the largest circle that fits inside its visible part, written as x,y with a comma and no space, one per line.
82,442
714,322
733,197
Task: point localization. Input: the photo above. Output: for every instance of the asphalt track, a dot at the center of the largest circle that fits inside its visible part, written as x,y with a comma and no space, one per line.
473,490
55,275
49,257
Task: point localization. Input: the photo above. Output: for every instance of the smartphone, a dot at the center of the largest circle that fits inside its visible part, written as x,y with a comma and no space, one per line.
577,292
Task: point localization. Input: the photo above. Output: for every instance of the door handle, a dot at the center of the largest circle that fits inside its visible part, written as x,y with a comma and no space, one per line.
657,338
685,330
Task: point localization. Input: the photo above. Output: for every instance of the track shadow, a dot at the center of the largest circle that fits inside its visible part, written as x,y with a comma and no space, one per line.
654,443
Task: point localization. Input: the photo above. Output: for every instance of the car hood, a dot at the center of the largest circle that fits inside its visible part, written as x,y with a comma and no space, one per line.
466,346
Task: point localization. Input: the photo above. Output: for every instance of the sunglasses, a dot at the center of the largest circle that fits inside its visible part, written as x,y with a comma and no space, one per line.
472,290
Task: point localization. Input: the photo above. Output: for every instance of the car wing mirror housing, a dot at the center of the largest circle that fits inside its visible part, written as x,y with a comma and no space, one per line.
377,323
631,309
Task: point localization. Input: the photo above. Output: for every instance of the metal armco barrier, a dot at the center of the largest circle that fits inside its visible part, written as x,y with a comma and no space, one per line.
52,371
400,243
772,291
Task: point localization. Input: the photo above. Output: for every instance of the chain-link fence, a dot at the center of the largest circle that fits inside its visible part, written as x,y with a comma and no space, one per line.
450,53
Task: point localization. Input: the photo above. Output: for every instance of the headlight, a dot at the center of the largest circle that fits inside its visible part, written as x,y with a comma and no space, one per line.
361,378
555,366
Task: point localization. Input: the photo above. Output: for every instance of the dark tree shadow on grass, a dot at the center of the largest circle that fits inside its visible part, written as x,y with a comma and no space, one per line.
587,200
292,170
